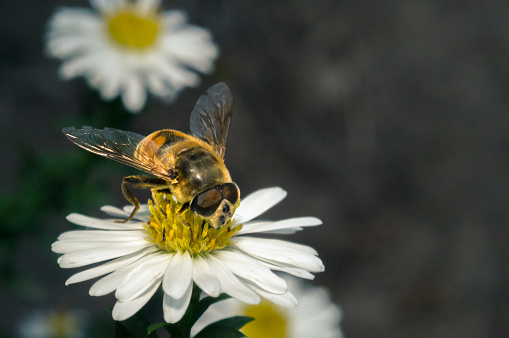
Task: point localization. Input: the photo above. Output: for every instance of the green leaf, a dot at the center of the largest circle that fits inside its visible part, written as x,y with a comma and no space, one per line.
134,327
236,322
138,324
175,330
204,304
154,327
228,327
220,332
122,332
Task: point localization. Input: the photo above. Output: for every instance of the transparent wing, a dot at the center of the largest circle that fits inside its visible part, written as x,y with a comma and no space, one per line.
121,146
211,116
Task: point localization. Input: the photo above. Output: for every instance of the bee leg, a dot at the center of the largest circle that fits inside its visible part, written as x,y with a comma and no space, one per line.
183,209
128,194
184,222
138,182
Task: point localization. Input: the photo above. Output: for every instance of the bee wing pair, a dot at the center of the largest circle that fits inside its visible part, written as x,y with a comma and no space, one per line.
210,120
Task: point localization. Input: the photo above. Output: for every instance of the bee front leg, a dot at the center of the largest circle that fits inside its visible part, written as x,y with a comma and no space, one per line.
183,209
138,182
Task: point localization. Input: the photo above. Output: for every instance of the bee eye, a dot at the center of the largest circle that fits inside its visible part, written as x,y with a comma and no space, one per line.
231,192
206,203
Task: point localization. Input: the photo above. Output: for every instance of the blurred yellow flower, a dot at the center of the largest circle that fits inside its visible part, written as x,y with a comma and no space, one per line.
315,316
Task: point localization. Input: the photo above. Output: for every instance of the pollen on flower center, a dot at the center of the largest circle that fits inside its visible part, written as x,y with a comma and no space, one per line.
269,321
132,30
175,231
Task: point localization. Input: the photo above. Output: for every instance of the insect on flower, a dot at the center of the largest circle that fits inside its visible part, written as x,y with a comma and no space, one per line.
190,167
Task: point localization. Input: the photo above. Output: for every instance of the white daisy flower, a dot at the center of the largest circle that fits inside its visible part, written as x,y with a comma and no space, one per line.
161,247
127,48
315,317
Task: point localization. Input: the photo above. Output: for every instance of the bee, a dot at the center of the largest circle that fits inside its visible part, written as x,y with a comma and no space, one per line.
190,167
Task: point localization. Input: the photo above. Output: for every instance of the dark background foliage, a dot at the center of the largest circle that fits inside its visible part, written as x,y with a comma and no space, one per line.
386,119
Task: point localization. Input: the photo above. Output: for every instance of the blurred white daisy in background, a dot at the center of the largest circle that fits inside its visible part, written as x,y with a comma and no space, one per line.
53,324
159,246
315,316
129,48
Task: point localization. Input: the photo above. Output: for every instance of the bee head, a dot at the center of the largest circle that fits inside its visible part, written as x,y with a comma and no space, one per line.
216,205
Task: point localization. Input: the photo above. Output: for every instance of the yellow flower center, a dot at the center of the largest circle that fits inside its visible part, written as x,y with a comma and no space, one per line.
130,29
269,321
175,230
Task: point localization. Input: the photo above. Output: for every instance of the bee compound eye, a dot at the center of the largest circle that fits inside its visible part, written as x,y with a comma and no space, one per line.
231,192
206,203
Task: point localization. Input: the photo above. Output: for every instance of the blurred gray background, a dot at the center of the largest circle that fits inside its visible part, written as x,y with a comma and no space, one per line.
387,120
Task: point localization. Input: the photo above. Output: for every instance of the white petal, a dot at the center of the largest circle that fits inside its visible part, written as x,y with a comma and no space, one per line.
218,311
174,309
124,310
231,284
68,46
63,247
305,262
141,277
280,253
248,268
92,222
301,273
252,226
174,19
102,235
112,281
274,244
143,212
319,298
315,307
147,6
279,225
171,72
79,258
110,266
66,246
108,77
110,87
122,214
192,46
178,275
257,203
79,65
114,211
205,278
71,22
158,86
286,300
287,231
105,6
134,95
